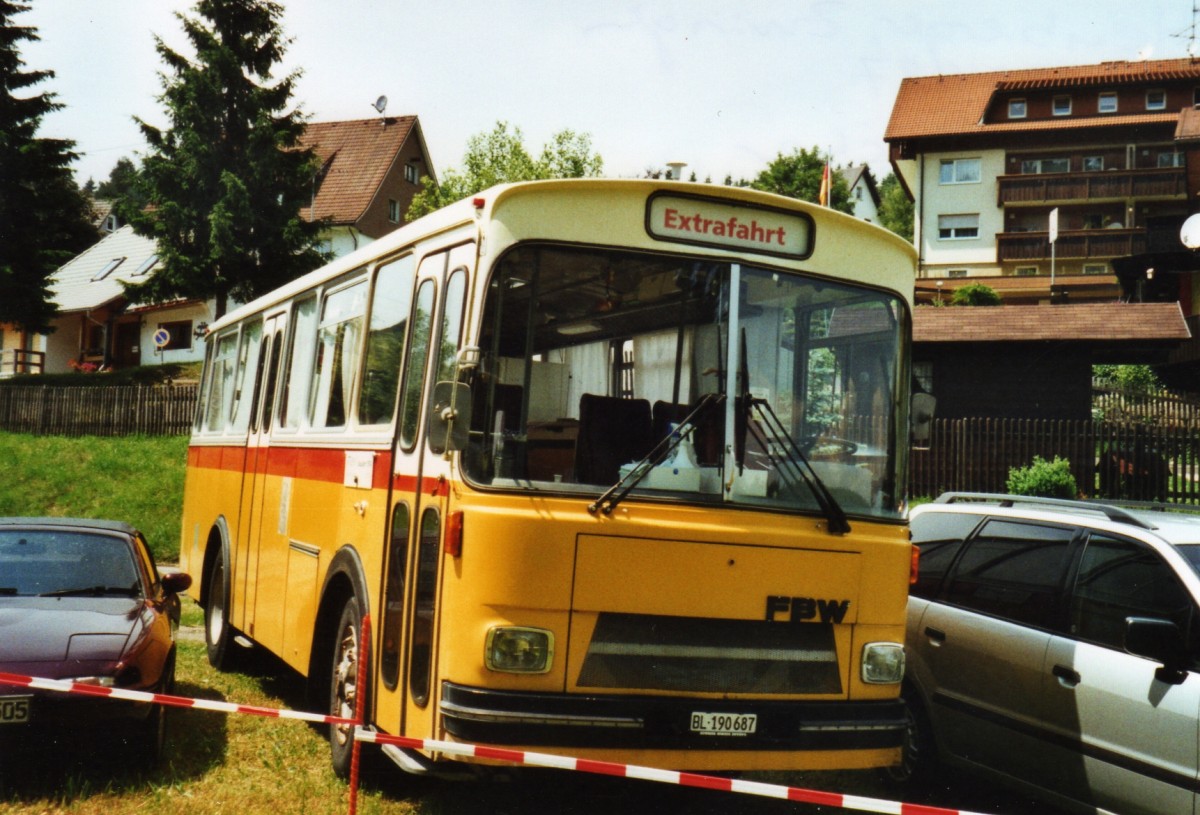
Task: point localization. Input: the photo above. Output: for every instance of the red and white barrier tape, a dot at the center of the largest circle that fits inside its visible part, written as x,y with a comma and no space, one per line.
709,782
853,802
66,686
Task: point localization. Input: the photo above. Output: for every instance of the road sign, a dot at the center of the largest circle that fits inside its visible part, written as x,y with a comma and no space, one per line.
161,337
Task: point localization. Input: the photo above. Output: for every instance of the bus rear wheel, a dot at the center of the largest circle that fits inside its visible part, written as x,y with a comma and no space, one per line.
343,684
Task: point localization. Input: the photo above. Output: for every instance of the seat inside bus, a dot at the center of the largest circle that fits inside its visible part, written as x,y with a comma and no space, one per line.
612,431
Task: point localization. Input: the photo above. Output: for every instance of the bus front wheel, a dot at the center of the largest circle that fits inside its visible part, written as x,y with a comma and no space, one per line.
343,684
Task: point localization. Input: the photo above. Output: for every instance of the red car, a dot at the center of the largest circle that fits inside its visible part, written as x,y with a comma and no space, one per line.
83,600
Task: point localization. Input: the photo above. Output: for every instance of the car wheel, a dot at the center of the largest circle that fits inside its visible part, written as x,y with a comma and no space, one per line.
918,758
218,633
343,684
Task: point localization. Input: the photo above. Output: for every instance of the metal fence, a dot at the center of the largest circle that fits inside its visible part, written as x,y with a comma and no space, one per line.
118,410
1108,459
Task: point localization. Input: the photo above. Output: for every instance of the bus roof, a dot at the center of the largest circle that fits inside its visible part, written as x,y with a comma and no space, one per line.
480,207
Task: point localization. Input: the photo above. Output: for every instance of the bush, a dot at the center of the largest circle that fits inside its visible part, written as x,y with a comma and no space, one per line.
1049,479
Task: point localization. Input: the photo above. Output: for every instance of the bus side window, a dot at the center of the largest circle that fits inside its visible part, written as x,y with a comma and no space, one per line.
246,377
393,596
337,351
391,300
300,361
220,382
424,599
414,381
452,314
268,400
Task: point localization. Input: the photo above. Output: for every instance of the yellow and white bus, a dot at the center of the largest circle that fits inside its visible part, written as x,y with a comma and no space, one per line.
616,467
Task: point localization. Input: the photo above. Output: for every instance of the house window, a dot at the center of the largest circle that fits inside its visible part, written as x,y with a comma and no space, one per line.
180,333
1046,165
958,227
1061,106
108,269
960,171
1095,268
393,210
1026,271
956,273
410,173
1107,102
1173,159
1093,164
146,265
1156,100
923,373
1016,108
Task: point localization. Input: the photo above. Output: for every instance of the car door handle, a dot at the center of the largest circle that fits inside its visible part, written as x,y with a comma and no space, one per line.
935,635
1066,676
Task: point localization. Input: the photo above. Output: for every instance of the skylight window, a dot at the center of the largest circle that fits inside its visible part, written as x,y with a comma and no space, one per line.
146,266
108,269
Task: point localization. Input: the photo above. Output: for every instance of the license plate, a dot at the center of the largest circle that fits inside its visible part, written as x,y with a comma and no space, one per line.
15,709
724,724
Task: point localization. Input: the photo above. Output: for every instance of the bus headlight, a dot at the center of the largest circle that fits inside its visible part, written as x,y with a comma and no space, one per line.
515,649
882,663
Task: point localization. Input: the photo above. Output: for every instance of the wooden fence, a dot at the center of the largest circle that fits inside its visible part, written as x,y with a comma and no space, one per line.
1108,459
120,410
1163,409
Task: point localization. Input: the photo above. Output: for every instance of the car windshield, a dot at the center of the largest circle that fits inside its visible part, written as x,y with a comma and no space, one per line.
45,562
608,373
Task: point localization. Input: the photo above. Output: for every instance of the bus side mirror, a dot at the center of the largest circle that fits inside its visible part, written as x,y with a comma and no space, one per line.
450,417
923,406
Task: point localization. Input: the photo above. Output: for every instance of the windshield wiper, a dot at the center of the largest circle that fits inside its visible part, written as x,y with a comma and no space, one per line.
793,464
607,502
91,591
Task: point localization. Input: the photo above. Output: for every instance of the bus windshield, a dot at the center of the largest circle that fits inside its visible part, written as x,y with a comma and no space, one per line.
678,378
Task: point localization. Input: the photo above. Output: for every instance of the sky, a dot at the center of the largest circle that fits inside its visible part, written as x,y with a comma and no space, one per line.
723,86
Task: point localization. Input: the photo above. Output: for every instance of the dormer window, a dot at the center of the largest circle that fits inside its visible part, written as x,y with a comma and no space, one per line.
1107,102
1016,109
108,269
1156,100
1062,106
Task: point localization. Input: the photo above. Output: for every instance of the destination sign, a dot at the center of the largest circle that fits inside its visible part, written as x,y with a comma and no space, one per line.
693,219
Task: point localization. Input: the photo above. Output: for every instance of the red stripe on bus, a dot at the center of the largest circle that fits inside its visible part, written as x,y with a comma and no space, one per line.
313,464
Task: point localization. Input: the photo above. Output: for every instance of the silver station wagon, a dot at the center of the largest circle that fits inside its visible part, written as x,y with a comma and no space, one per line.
1054,646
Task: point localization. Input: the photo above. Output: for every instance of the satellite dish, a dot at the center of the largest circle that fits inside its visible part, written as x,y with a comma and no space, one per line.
380,104
1189,233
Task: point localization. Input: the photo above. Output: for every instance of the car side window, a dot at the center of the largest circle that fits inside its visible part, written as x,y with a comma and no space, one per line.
939,536
1120,578
1014,571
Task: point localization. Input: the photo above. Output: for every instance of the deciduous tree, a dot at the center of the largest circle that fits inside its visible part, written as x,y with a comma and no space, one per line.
45,219
499,157
799,176
226,181
895,208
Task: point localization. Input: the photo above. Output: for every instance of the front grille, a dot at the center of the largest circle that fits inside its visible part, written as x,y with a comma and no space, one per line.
649,652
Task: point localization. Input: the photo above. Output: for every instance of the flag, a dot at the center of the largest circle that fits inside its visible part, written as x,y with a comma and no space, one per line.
823,196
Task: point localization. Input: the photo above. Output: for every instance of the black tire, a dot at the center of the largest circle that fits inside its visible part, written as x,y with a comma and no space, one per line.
918,760
218,632
343,684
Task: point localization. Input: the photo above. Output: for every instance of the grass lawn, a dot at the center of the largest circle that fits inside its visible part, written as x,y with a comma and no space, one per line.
136,479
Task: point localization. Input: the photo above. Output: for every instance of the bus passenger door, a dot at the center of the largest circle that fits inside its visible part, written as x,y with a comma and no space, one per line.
258,469
408,640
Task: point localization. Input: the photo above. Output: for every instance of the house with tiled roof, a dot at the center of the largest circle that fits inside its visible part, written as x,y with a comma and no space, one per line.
1054,185
370,171
864,192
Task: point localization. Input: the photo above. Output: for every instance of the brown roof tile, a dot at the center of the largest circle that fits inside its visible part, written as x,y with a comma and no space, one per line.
955,104
356,155
1101,322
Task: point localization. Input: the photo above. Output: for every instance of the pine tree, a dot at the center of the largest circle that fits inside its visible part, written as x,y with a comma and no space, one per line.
45,220
225,183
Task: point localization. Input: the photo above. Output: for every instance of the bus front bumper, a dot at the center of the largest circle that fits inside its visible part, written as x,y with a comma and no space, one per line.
484,716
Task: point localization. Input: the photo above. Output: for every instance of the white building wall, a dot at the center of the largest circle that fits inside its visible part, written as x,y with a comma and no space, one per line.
934,199
196,312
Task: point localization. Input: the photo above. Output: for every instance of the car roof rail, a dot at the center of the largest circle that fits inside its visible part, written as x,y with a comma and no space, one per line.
1113,513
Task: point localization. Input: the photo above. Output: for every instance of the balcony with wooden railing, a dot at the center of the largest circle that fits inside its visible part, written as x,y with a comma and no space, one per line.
1108,185
1074,244
17,361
